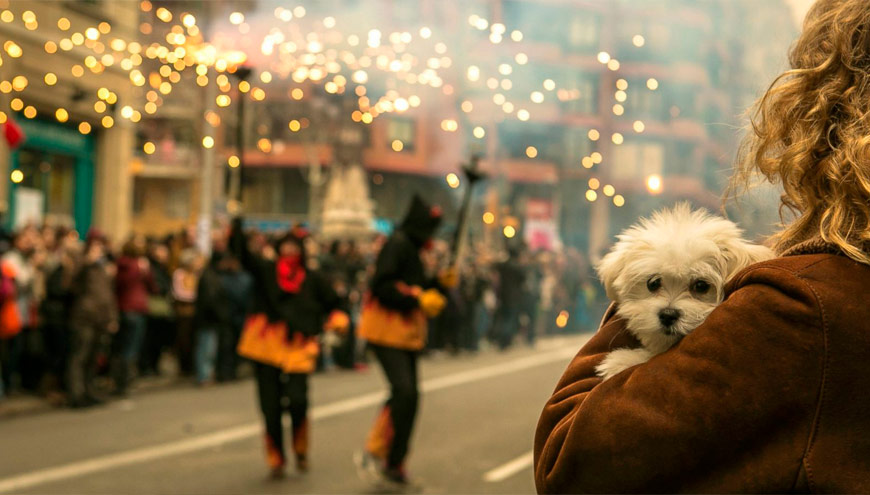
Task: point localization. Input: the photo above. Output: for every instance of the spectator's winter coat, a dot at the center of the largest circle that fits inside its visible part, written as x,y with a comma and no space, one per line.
133,284
93,297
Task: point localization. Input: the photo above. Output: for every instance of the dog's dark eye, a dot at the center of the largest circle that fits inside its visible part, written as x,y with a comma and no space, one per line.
700,287
654,284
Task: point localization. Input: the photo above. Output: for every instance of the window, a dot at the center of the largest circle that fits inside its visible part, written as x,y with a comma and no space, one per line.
579,92
401,130
635,161
177,199
549,141
577,144
549,23
583,32
643,103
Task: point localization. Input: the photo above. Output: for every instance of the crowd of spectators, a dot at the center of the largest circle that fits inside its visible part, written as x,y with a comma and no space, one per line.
82,319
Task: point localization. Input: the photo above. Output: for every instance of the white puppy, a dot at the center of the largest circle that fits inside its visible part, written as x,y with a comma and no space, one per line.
666,274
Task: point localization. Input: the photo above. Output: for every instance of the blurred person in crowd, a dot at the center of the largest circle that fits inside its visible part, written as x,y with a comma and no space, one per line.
18,261
394,323
443,334
236,285
550,285
289,308
472,286
160,331
510,296
58,273
578,280
93,314
531,264
134,283
185,280
344,266
213,313
10,324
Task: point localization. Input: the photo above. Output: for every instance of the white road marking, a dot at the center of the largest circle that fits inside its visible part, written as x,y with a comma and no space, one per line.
244,432
509,469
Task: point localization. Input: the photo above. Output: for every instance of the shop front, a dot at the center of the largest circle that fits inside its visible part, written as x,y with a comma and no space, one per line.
52,175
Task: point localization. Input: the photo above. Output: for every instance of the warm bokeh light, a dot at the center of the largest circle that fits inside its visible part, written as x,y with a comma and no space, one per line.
17,176
509,231
531,152
397,145
488,218
654,184
452,180
652,84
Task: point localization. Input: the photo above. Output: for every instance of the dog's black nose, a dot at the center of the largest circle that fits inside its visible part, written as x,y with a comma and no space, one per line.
669,316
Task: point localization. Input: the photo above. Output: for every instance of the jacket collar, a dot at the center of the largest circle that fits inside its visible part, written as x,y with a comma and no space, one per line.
814,245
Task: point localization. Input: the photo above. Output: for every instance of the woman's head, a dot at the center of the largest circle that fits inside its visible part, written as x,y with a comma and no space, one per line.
811,131
134,247
292,245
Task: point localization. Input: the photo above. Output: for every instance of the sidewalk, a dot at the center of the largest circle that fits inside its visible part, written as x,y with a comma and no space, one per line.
26,404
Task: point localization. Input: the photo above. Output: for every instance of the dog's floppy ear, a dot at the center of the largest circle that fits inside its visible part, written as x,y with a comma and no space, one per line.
739,254
609,269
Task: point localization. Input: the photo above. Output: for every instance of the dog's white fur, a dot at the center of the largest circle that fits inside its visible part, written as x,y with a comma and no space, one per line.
678,247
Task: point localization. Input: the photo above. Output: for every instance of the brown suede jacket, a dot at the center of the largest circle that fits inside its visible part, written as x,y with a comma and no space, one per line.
770,394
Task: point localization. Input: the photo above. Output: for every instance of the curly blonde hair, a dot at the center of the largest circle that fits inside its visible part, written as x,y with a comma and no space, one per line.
810,132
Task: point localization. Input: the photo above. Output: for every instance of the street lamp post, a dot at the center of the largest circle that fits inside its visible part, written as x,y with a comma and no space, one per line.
242,74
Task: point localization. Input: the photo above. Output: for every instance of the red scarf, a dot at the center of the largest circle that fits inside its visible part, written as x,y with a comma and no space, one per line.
290,273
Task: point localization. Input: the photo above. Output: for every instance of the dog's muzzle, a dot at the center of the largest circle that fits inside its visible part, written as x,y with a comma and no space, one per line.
668,317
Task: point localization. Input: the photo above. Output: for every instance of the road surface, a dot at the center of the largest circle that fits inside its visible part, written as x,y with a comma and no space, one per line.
474,433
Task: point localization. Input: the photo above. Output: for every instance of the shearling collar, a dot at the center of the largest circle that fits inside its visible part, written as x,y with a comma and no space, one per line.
815,245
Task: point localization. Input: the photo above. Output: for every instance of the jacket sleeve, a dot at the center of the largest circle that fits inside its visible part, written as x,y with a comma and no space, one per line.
744,381
388,273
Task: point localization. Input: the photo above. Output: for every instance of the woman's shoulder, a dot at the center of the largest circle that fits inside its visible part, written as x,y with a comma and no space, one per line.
814,270
823,287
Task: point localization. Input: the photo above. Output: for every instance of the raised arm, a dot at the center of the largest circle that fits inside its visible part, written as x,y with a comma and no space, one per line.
388,275
238,245
689,419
